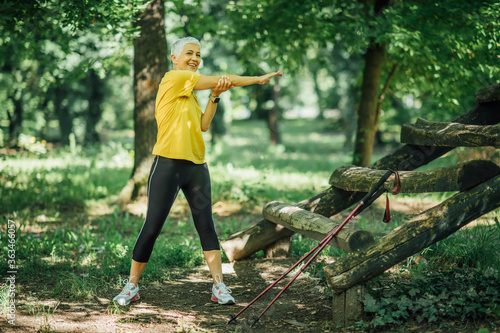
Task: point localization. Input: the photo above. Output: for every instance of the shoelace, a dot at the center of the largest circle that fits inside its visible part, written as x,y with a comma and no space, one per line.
126,290
224,289
221,285
127,287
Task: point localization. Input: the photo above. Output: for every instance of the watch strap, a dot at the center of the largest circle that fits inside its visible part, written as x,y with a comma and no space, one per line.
214,99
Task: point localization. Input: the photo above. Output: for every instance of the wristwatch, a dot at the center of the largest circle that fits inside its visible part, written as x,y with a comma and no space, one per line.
214,99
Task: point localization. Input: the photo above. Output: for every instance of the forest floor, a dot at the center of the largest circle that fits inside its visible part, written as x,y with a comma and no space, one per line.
184,305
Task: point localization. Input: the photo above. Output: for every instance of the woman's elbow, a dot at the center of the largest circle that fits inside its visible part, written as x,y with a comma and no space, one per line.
204,128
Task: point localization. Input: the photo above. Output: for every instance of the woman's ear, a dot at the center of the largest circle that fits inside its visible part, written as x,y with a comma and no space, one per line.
173,57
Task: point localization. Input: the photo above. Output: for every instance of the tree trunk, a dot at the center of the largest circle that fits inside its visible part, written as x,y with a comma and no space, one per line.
415,235
274,115
333,200
314,69
348,116
450,134
94,111
150,64
62,112
15,122
459,177
367,114
316,226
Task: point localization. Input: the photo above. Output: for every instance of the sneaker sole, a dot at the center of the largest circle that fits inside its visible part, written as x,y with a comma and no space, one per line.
216,300
135,298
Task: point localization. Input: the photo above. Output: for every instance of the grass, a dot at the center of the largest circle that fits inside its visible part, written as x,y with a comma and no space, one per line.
61,202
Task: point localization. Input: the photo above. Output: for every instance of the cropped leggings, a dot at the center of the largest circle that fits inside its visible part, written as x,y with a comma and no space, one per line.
166,178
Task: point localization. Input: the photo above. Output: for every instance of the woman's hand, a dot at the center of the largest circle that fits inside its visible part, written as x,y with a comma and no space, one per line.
224,84
266,78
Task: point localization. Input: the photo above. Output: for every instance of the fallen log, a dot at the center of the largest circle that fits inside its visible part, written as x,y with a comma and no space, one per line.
316,226
415,235
488,94
410,157
458,177
258,237
264,233
332,201
451,134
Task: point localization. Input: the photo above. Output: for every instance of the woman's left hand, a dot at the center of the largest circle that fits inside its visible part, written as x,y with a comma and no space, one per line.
224,84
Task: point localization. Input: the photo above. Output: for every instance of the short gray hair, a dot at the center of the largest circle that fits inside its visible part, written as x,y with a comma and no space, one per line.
179,44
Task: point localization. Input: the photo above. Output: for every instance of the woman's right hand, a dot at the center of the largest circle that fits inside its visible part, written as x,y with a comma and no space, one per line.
224,84
266,78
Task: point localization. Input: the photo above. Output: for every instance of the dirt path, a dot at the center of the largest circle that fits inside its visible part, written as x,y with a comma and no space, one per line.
183,305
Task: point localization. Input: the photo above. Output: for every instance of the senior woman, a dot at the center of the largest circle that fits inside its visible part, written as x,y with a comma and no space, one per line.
179,162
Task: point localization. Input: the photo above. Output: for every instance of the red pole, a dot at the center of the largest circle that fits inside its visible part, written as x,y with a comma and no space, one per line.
323,245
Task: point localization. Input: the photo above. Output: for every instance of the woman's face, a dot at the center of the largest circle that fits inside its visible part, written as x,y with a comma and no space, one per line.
189,59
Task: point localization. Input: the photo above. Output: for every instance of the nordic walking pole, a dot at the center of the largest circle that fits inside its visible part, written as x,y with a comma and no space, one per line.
326,240
233,317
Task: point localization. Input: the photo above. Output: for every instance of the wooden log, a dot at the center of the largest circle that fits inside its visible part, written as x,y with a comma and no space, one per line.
279,249
415,235
348,306
451,134
316,226
262,234
410,157
488,94
333,200
457,177
258,237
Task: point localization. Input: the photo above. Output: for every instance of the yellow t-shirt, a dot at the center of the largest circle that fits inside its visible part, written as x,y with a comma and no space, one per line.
178,117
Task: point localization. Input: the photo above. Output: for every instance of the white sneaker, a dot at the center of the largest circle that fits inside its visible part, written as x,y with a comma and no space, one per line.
221,294
129,294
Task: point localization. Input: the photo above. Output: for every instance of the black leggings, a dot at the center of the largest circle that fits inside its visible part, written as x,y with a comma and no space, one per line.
166,178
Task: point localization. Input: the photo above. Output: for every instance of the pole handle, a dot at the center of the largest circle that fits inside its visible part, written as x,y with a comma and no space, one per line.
371,200
375,187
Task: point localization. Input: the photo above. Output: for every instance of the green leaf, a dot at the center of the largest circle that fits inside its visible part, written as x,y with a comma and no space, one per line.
483,330
414,291
370,303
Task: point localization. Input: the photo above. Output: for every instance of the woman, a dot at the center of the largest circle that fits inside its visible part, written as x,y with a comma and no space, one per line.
180,162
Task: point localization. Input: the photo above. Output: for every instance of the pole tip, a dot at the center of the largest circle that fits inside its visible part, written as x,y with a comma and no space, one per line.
233,318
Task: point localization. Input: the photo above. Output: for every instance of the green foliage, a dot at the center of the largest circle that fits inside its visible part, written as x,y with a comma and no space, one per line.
467,248
441,47
444,50
458,279
457,294
70,178
48,49
79,15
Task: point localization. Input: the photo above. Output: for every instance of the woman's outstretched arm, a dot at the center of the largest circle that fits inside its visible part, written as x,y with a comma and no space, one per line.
209,82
